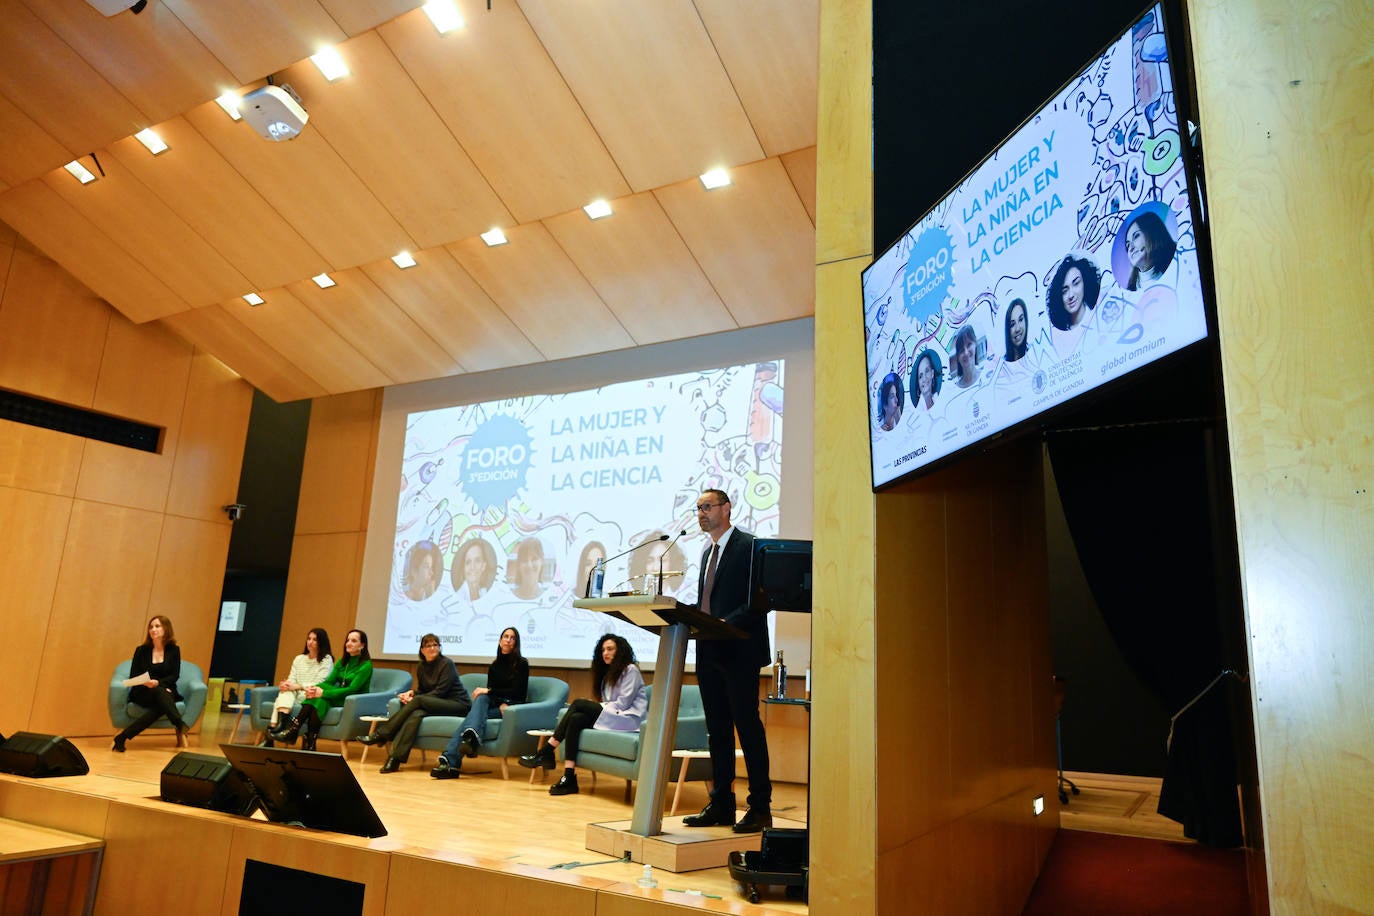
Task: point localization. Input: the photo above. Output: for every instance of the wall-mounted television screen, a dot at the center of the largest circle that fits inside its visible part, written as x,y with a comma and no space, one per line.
1065,260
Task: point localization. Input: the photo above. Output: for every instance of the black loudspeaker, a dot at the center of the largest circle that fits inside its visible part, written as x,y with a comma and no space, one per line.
207,781
40,756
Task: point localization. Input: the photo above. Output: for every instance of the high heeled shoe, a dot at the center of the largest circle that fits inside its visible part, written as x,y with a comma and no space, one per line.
118,746
183,736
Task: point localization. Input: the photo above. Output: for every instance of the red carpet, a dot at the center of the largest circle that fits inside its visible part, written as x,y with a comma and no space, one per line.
1097,873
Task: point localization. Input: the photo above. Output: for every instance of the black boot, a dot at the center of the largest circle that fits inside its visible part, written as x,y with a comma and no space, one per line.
308,740
470,743
544,757
444,770
288,733
567,785
310,732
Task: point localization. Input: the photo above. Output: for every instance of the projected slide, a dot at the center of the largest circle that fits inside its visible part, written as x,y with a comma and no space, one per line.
1065,260
505,506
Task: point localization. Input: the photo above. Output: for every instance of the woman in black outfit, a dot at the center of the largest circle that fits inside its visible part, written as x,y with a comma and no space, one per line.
440,693
508,683
159,661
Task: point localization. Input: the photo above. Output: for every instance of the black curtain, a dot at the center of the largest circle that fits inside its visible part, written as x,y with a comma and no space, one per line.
1140,504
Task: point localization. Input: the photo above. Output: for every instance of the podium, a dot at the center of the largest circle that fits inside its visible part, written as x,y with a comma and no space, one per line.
675,624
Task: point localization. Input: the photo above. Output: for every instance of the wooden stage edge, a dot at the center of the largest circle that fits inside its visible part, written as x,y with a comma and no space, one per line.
479,837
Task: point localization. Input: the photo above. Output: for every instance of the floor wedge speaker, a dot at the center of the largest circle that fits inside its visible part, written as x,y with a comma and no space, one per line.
206,781
39,756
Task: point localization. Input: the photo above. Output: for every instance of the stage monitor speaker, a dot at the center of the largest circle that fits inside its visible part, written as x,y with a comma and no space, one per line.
40,756
207,781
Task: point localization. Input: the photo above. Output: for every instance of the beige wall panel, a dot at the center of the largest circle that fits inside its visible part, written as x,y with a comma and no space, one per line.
440,296
33,529
188,581
844,140
37,803
801,168
214,330
296,849
32,458
759,282
415,883
25,148
146,845
55,227
760,44
99,613
1284,94
336,474
321,591
211,435
639,265
843,621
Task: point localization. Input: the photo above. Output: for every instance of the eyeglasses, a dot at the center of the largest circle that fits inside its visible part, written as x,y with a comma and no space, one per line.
707,507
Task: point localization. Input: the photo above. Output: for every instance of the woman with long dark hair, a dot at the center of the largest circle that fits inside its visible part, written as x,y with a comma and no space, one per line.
1072,292
1149,247
439,693
508,683
624,701
1017,330
351,674
158,660
307,669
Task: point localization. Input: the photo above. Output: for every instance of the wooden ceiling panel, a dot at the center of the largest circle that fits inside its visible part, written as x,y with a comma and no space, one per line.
152,59
376,327
377,120
651,82
753,239
640,266
138,221
761,43
439,295
61,232
298,334
543,292
60,91
257,38
355,18
311,186
214,330
496,89
801,168
26,149
195,181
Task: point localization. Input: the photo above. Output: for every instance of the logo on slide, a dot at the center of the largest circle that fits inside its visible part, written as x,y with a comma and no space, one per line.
928,276
496,461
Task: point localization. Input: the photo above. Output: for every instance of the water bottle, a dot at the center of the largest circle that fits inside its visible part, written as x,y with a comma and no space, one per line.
780,678
598,579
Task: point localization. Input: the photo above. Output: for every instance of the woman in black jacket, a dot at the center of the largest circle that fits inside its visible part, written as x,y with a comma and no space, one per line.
158,662
440,693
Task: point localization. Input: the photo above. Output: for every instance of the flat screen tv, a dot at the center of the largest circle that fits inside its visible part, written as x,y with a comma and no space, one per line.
306,788
1066,259
780,575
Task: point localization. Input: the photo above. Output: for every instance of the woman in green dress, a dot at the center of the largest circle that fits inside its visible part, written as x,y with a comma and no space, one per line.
351,674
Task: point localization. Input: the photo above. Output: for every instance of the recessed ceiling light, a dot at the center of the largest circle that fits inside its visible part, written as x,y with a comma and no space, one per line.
79,172
330,64
403,260
151,140
494,237
716,178
253,299
229,101
597,209
323,281
444,15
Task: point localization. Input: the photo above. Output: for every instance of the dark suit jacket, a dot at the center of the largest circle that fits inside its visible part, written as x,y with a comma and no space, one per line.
166,673
730,602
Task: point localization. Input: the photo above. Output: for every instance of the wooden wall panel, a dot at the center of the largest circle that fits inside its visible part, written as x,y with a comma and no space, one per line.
210,440
337,473
188,581
36,803
1284,96
144,846
321,591
32,458
33,528
295,849
844,139
415,883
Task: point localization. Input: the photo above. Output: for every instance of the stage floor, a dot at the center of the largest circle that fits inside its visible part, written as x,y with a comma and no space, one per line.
505,825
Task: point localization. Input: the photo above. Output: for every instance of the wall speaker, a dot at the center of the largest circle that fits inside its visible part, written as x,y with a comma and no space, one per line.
40,756
207,781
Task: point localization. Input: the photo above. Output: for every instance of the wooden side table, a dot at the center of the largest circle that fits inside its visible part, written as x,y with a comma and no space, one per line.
372,730
687,755
543,734
239,707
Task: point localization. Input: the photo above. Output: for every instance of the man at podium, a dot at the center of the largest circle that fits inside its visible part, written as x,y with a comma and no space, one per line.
728,672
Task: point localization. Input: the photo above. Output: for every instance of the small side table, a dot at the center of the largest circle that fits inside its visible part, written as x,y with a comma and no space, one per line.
543,734
372,730
687,755
240,707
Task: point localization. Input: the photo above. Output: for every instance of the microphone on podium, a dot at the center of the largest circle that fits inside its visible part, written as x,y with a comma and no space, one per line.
663,556
662,537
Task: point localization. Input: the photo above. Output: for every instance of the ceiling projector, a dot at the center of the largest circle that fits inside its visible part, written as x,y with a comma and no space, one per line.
274,112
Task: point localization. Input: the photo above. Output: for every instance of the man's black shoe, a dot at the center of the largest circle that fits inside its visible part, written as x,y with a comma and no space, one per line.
443,771
715,814
470,743
754,821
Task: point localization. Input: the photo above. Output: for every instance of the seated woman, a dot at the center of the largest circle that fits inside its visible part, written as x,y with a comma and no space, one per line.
158,660
307,670
508,681
440,693
624,701
351,674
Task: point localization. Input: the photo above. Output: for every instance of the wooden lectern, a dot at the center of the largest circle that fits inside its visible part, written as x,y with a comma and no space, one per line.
675,624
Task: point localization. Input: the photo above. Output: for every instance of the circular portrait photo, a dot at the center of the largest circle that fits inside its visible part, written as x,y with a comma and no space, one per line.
890,398
964,369
1072,291
1017,330
474,569
1145,246
925,379
424,570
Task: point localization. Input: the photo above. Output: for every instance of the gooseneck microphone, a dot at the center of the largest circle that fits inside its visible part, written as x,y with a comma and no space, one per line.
661,537
663,556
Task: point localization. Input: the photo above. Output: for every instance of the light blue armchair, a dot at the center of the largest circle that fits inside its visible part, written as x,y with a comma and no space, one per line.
341,723
617,753
191,685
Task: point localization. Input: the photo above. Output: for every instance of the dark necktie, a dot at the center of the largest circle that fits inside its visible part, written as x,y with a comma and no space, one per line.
710,579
